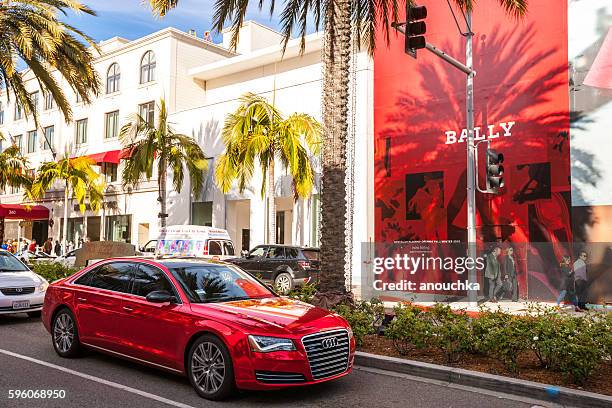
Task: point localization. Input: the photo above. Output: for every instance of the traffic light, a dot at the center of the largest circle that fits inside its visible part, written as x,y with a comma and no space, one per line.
495,171
415,28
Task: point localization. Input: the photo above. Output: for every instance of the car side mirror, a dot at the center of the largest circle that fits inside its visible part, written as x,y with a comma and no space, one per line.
161,296
245,254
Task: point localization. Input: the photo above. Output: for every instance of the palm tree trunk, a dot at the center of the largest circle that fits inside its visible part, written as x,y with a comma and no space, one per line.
335,119
162,183
65,231
271,206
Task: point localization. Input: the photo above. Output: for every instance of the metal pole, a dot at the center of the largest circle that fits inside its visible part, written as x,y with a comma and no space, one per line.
471,162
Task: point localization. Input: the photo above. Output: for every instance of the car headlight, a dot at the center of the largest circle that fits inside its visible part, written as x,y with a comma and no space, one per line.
350,332
265,344
43,286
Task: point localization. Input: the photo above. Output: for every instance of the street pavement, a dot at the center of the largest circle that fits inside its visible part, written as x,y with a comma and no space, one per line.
28,362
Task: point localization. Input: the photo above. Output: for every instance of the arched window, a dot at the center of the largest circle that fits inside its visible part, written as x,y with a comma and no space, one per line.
113,75
147,67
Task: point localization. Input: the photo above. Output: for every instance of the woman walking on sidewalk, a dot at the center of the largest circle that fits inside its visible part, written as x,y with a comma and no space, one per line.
567,285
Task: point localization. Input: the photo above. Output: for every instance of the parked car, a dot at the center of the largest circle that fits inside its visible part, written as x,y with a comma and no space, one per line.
68,259
194,241
21,290
283,265
149,247
221,327
30,257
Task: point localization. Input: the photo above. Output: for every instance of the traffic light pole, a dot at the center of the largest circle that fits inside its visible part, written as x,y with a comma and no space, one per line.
468,69
471,160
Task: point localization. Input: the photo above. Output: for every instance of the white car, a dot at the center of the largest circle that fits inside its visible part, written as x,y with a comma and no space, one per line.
68,260
21,290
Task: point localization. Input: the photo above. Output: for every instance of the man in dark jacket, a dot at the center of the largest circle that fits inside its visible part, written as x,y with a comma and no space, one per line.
492,273
510,273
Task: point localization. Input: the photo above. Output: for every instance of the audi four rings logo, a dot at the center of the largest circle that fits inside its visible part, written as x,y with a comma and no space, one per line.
329,342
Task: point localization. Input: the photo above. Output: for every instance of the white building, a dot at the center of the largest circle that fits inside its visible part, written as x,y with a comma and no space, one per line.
201,82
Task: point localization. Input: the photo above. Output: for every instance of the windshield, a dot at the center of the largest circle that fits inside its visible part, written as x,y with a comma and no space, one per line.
8,263
217,283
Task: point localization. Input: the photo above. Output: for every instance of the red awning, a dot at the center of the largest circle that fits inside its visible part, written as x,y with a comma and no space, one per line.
17,211
112,156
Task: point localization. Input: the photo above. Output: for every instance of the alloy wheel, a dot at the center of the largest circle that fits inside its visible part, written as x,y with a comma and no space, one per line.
63,333
208,367
283,283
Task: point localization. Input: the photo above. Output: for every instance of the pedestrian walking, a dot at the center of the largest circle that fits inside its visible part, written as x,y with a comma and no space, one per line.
48,246
580,273
492,273
567,286
510,273
58,248
32,246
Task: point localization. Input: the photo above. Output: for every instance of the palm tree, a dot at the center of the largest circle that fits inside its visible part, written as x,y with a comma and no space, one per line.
342,21
13,172
257,133
32,33
80,180
151,145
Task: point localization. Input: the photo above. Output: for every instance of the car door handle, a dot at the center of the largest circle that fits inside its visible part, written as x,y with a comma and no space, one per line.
128,309
82,300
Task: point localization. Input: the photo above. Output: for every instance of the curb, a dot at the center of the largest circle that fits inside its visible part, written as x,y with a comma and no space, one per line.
544,392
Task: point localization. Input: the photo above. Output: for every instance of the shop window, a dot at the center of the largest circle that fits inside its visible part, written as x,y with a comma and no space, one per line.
201,213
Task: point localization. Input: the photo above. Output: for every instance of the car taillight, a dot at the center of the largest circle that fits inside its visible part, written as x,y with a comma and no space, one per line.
205,250
304,264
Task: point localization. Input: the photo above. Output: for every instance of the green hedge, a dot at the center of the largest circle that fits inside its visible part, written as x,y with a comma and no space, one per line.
52,271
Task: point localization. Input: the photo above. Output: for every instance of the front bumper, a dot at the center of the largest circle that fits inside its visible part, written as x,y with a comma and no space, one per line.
36,303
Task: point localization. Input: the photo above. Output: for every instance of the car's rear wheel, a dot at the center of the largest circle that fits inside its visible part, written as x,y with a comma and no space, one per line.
283,282
35,314
210,369
65,334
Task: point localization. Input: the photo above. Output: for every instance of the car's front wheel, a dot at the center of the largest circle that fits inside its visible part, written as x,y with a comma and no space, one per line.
65,334
210,369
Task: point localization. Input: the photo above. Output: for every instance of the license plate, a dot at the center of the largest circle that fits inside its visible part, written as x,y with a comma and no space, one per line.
21,304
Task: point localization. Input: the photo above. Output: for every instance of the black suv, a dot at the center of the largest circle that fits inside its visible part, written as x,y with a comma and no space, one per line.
285,266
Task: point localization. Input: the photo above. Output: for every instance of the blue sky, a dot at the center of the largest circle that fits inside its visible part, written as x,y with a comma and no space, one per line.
132,19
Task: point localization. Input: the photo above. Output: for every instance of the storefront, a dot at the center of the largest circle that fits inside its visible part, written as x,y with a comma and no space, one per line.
543,97
27,222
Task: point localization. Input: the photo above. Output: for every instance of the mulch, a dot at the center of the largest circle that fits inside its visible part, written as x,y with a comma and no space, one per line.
529,367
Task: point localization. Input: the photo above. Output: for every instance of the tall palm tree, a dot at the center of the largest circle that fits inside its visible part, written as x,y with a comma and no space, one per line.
156,145
342,21
257,133
81,182
13,172
33,33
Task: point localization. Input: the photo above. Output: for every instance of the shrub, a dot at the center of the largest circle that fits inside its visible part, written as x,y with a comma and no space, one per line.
408,330
304,293
52,271
363,317
451,331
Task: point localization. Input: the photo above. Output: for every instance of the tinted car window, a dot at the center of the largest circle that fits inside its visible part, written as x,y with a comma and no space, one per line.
148,279
228,247
214,248
292,253
217,283
276,252
312,255
259,251
113,276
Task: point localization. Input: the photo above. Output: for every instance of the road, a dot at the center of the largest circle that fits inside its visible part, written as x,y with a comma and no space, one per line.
28,362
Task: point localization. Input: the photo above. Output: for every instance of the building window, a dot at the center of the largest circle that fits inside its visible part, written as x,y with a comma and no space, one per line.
280,227
147,112
112,79
34,98
32,141
78,98
109,170
147,67
18,142
118,228
49,101
18,111
49,133
111,125
1,113
81,131
201,213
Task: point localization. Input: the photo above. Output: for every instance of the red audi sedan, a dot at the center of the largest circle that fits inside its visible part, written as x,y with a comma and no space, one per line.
208,320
